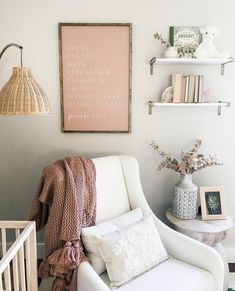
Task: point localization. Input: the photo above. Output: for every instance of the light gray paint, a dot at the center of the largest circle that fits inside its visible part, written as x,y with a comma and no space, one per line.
27,144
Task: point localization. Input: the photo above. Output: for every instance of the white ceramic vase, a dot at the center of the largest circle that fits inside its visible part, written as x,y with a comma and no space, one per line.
171,53
185,198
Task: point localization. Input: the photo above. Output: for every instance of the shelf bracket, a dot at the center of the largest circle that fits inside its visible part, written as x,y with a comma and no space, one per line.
152,61
150,107
222,69
223,65
225,104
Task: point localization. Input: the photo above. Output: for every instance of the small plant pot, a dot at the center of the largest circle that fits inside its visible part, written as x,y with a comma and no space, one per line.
171,53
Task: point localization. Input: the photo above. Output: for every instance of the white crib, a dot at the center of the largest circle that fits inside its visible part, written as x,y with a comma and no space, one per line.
18,264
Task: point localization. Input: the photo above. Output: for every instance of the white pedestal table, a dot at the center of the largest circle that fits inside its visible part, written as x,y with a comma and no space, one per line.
210,232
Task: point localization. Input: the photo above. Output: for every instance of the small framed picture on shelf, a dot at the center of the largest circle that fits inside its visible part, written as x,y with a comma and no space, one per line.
185,39
212,203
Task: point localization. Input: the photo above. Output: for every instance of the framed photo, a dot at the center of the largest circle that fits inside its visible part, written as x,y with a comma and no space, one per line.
186,39
95,77
212,203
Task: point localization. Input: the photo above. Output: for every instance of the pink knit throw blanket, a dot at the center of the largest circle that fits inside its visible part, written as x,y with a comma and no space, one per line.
64,203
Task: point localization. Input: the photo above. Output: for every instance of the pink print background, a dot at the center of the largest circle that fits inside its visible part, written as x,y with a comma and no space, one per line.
95,77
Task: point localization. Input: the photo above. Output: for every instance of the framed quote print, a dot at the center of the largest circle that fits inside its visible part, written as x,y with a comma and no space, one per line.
95,77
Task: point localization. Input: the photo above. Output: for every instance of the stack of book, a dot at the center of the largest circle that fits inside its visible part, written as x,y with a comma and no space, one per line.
187,88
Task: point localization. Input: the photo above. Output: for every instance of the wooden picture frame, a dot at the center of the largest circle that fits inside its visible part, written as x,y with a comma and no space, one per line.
212,203
95,77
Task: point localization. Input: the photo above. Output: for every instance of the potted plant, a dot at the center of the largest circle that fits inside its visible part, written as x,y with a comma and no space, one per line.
171,51
185,195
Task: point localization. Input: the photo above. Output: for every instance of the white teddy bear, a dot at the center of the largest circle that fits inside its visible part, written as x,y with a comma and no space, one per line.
207,49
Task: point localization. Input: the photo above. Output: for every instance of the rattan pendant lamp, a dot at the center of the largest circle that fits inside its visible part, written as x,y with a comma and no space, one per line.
22,94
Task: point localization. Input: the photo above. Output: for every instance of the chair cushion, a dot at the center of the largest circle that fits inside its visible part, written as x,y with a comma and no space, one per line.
168,276
103,228
131,251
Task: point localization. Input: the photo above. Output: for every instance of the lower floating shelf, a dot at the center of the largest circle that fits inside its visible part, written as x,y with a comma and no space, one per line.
218,104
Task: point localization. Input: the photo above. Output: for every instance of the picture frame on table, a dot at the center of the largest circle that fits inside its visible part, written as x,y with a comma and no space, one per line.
212,203
95,77
185,39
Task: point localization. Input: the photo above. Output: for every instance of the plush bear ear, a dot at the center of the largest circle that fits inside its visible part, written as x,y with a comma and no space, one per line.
202,30
214,30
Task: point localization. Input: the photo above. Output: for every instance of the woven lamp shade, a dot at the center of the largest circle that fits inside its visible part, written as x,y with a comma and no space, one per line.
22,95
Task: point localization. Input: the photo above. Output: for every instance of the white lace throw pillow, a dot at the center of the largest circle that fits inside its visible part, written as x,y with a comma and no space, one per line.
112,225
131,251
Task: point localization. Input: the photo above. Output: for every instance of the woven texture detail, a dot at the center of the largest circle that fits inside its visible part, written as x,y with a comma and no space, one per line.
185,198
184,204
64,203
23,95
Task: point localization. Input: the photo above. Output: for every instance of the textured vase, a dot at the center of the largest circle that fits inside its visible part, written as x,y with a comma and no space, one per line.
185,198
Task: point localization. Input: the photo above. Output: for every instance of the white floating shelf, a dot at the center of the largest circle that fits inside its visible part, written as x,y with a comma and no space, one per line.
218,104
182,61
192,61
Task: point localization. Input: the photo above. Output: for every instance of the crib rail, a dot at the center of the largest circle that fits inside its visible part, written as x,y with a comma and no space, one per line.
18,266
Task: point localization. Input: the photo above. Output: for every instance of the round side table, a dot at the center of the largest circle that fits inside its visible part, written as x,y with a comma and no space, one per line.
211,232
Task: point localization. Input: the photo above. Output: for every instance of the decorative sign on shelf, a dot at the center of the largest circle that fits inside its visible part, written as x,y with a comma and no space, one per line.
95,77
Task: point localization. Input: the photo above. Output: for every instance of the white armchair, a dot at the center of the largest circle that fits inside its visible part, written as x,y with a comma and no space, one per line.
193,266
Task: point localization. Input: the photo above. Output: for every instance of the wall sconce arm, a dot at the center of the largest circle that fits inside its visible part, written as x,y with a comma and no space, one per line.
15,45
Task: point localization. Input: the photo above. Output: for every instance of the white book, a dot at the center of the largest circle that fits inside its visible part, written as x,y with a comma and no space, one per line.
195,98
183,83
200,89
186,90
177,88
191,88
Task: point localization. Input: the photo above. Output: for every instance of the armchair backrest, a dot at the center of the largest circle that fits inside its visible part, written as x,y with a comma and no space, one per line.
112,196
118,186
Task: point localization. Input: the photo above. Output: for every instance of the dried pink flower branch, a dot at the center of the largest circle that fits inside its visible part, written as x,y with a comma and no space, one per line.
161,39
190,162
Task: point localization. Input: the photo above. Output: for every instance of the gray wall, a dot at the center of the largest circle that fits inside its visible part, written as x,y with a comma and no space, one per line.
29,143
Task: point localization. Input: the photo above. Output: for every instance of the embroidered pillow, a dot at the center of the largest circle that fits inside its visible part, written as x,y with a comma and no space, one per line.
112,225
131,251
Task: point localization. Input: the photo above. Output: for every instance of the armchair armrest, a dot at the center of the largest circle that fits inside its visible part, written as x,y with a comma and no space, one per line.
89,280
193,252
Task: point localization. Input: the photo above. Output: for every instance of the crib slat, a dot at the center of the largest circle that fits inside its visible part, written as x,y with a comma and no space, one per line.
7,277
21,264
31,261
15,273
4,241
1,288
17,232
22,269
28,271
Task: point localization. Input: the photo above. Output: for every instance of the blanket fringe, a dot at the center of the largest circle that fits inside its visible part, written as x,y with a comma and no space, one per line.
68,256
62,261
44,269
59,284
